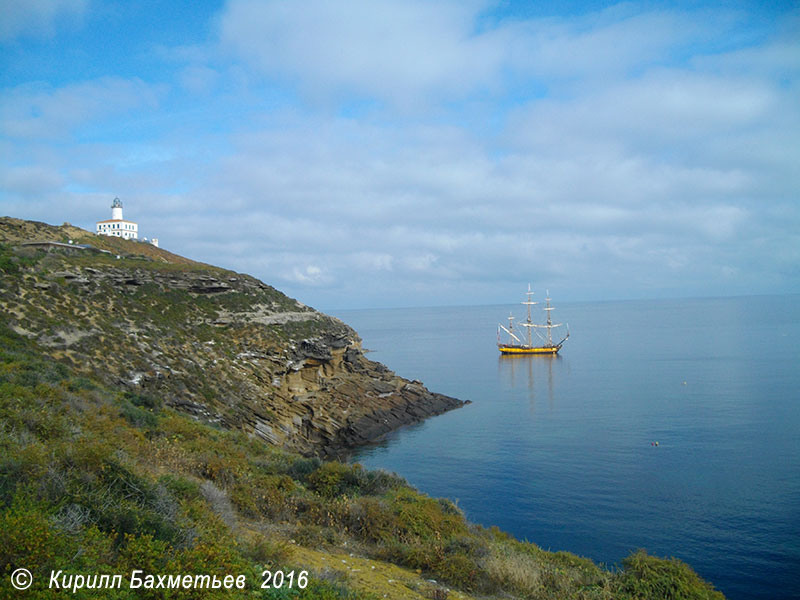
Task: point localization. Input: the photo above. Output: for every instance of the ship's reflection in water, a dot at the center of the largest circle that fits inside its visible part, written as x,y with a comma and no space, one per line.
536,375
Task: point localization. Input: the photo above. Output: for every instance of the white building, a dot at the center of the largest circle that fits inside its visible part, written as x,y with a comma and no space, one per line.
117,226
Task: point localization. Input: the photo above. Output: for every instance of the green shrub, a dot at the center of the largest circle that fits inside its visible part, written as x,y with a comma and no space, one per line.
138,417
264,496
267,552
77,384
145,552
645,576
314,536
468,545
182,488
423,517
8,263
335,479
461,571
26,535
372,520
378,482
143,400
302,467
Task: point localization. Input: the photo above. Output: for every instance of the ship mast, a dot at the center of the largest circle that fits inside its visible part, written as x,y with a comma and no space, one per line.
509,331
550,325
549,320
529,323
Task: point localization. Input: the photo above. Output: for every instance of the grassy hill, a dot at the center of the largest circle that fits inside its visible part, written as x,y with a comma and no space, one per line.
219,345
104,472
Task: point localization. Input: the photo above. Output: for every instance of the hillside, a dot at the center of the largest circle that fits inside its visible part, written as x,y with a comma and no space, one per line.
219,345
147,422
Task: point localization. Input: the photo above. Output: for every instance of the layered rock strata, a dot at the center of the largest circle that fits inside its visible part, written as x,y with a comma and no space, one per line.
222,346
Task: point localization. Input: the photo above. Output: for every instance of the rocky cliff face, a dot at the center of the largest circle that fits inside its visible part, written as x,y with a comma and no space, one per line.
222,346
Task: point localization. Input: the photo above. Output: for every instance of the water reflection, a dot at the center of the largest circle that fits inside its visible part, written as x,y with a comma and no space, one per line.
524,371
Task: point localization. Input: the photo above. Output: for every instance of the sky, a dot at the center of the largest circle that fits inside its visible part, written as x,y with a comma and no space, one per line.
385,153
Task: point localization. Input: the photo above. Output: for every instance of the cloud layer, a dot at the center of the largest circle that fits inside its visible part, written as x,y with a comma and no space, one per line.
394,153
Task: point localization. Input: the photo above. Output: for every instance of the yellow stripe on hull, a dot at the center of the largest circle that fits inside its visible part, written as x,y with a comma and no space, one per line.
521,350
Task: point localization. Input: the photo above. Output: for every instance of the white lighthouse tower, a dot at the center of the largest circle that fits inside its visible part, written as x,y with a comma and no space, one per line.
117,226
116,210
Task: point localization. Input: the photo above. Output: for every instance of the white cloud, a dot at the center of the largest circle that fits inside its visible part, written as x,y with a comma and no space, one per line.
664,108
394,50
602,154
371,261
410,53
39,110
307,275
780,57
30,181
603,45
199,79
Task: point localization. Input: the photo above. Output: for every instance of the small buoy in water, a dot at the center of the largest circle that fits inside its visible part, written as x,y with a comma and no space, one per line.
684,383
656,443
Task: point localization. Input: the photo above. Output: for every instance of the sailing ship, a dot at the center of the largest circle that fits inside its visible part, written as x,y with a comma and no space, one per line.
521,347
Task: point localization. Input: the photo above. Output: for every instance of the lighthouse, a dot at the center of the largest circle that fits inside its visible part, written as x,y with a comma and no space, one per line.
117,226
116,210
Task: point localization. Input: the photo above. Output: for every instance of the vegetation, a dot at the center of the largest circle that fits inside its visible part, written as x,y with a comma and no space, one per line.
100,481
183,331
95,478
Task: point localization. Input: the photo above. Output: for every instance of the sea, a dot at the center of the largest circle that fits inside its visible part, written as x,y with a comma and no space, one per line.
669,425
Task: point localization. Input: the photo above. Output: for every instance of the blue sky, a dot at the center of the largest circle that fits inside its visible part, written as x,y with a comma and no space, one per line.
378,153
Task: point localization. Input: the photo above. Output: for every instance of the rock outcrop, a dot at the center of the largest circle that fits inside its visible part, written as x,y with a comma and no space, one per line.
222,346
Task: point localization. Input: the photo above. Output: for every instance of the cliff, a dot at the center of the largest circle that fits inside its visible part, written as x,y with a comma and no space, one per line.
221,346
141,446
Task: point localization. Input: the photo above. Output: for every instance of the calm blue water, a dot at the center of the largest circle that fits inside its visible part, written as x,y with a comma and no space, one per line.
558,450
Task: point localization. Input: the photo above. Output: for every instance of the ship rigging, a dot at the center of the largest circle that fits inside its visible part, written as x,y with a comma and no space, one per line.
517,346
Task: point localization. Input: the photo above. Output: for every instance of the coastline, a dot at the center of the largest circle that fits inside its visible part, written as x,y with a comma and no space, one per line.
221,346
162,413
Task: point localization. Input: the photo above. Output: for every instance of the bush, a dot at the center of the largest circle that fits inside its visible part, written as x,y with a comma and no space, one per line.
267,552
8,263
139,417
378,482
26,536
181,487
461,571
372,520
143,400
424,518
302,467
645,576
335,479
315,536
264,496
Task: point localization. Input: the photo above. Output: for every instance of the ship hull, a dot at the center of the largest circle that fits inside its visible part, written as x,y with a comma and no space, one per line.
509,349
